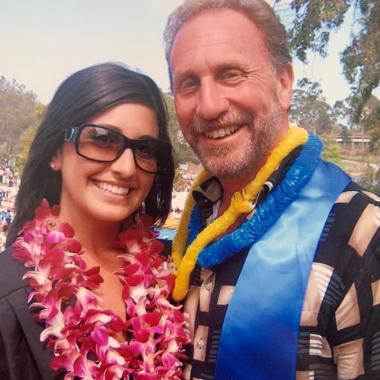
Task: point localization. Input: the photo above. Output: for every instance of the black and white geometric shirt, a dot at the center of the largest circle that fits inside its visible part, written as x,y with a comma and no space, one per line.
339,336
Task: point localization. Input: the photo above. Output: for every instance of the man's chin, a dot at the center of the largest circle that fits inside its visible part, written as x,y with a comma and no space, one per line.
223,168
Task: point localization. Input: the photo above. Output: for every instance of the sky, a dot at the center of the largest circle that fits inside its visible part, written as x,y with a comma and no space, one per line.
42,42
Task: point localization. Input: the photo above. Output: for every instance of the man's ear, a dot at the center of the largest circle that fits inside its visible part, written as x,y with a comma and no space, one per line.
285,87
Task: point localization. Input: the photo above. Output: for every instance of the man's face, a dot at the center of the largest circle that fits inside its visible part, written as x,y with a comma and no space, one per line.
230,103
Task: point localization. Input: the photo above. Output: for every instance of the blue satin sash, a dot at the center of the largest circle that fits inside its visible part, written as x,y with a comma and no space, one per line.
260,331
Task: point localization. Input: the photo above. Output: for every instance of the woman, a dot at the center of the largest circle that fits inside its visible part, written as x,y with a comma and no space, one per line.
93,302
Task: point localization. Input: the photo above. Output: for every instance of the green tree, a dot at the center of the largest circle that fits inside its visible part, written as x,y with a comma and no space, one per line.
331,151
17,113
346,135
27,137
342,114
371,121
183,152
309,109
310,30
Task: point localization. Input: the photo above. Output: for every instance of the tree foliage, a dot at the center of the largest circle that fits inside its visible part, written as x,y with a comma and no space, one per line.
309,109
371,120
27,137
313,22
182,150
331,151
343,115
17,113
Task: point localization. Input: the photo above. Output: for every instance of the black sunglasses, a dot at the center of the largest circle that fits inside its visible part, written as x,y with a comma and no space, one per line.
103,144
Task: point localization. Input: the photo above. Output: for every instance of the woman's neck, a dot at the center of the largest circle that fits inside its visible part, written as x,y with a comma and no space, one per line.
97,238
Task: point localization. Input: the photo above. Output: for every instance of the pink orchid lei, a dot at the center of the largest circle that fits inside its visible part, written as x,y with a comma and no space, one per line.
82,335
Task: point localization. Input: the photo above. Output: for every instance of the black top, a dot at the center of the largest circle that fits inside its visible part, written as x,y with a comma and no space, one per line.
22,355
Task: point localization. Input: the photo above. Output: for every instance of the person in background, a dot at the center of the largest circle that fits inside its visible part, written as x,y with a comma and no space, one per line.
277,251
8,216
3,221
83,283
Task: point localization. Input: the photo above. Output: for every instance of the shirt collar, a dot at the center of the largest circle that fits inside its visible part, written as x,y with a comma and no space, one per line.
209,194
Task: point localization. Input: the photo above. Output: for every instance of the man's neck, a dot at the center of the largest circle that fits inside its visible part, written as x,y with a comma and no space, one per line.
232,185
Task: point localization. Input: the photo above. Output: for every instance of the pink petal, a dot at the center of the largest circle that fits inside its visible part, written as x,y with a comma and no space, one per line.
137,348
55,237
153,318
100,335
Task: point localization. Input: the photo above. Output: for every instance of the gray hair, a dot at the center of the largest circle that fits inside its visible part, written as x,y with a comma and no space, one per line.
258,11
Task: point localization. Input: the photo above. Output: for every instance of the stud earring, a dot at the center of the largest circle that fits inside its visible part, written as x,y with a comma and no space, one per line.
52,165
142,208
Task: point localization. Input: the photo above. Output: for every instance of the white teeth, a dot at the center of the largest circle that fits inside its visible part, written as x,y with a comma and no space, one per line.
112,189
219,133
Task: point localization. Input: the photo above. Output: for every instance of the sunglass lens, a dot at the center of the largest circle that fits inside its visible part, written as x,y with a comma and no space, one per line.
99,143
151,155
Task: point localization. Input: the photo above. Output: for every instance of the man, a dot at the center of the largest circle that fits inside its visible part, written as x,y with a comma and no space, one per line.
277,251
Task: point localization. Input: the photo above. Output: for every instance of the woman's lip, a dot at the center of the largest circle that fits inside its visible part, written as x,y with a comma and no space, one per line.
112,188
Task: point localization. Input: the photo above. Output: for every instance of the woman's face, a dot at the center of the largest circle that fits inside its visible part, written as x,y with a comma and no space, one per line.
106,192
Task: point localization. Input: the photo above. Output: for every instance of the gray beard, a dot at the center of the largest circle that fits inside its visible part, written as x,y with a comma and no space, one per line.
264,137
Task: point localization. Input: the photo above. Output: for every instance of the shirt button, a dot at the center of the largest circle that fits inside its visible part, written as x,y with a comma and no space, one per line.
208,285
200,344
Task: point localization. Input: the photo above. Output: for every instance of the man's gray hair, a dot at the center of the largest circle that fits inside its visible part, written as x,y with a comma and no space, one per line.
261,14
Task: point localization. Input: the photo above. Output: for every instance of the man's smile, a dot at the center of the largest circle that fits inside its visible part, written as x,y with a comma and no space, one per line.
222,132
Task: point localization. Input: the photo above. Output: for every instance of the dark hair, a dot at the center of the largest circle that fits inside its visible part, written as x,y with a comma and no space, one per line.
80,97
258,11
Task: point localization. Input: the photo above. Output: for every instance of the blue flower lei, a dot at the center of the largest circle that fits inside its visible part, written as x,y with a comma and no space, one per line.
266,214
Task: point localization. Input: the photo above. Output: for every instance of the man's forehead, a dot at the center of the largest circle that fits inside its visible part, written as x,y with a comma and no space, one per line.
213,18
211,32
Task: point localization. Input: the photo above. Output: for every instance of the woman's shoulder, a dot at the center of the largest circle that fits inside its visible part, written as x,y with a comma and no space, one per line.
11,273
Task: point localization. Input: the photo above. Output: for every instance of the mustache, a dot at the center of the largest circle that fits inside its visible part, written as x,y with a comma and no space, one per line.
233,117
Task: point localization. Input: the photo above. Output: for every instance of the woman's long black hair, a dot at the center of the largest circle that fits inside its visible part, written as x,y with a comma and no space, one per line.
79,98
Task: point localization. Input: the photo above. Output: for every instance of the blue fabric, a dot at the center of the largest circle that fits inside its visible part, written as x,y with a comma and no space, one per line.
267,213
260,330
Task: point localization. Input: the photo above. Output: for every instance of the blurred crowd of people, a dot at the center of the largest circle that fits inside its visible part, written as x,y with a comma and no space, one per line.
8,189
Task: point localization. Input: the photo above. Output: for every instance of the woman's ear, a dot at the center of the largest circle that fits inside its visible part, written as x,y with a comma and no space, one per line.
56,161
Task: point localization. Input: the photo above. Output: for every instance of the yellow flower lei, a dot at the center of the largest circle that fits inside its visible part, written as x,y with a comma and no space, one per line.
241,203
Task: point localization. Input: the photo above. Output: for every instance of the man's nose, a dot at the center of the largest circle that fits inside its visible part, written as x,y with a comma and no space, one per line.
211,102
125,165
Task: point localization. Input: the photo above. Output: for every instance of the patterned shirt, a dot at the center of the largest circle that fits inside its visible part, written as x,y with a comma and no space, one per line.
339,336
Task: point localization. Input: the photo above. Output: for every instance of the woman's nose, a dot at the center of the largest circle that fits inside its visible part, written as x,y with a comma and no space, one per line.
125,165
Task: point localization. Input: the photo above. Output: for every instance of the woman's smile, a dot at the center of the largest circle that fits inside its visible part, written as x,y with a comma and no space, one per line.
113,189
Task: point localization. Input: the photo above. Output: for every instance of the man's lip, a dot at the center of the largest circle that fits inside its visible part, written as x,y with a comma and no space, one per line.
222,132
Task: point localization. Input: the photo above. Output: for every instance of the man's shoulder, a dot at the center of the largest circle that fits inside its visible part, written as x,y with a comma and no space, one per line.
11,273
355,199
352,229
355,203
